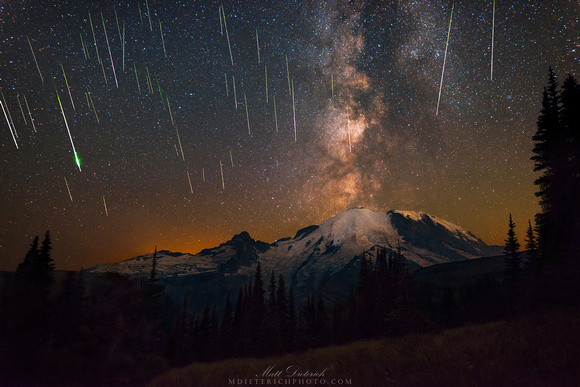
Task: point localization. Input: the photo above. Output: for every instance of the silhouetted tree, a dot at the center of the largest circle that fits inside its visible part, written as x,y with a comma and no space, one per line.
29,265
556,150
530,238
44,254
511,252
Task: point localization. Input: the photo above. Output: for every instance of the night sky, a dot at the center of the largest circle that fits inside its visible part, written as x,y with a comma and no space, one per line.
371,70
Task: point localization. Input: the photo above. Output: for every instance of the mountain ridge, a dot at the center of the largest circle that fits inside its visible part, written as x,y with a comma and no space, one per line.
319,256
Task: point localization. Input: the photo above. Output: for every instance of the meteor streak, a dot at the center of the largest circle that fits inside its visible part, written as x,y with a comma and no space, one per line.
95,39
247,115
9,115
444,59
67,87
104,74
117,19
170,114
266,78
68,189
227,35
149,15
258,45
35,61
159,88
21,110
123,45
162,40
83,45
275,114
105,203
137,77
109,48
221,23
8,122
30,114
222,172
288,75
294,110
231,158
226,78
180,147
77,159
149,81
90,97
492,38
235,96
189,179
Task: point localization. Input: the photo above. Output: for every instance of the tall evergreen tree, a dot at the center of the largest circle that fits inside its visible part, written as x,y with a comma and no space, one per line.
530,238
30,259
258,290
569,184
545,148
44,254
556,150
512,254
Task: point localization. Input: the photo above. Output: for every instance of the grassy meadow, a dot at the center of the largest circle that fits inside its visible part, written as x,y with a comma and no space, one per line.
539,350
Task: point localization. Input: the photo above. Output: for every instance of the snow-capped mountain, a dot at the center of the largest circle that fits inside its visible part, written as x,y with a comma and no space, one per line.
322,257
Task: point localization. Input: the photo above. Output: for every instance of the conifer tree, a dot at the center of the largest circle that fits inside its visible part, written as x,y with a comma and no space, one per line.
44,254
530,237
511,252
26,267
556,151
569,181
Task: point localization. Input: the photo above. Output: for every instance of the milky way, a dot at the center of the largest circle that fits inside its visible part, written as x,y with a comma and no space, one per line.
180,145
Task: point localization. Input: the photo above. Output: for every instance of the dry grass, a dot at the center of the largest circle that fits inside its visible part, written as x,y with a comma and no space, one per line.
541,350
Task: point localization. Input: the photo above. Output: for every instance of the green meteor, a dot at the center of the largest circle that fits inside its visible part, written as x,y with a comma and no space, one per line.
77,159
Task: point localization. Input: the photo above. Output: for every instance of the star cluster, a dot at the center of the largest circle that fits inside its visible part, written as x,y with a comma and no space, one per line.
182,145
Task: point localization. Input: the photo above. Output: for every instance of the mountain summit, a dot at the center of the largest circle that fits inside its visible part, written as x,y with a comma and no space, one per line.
319,256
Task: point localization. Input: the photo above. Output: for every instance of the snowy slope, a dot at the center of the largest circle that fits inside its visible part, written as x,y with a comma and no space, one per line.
424,240
318,253
240,250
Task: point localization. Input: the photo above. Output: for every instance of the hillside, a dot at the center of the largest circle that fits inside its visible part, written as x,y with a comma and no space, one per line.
536,350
